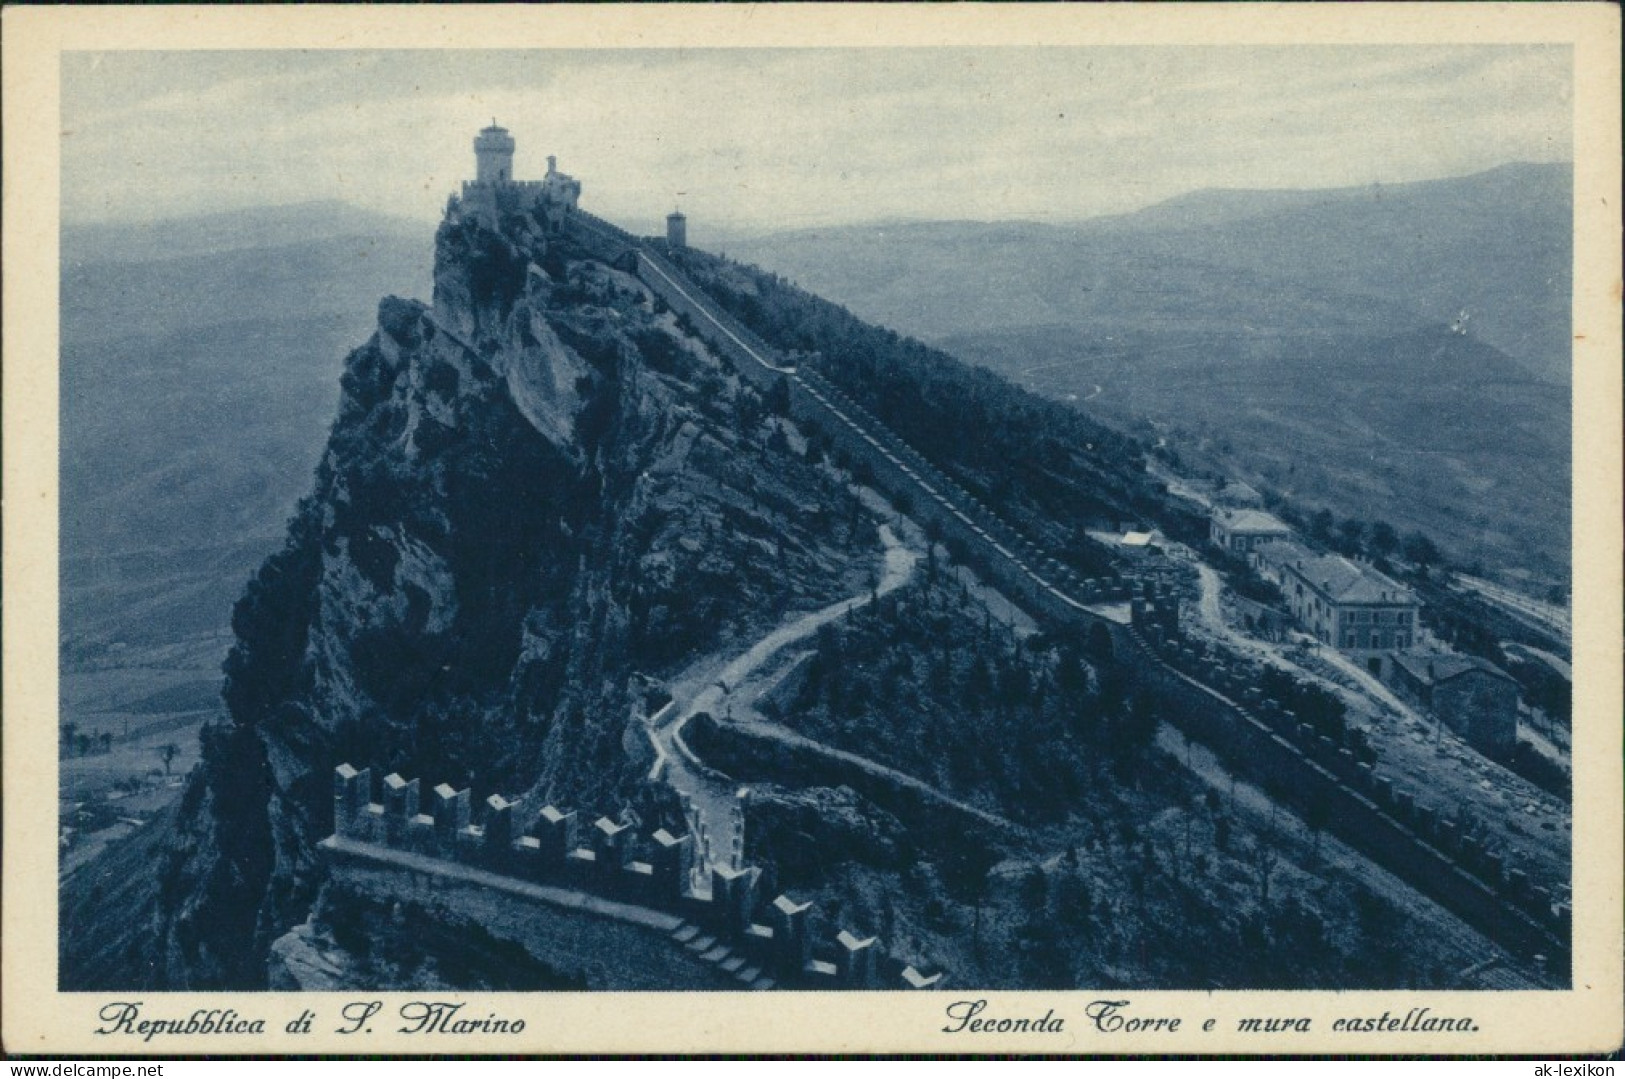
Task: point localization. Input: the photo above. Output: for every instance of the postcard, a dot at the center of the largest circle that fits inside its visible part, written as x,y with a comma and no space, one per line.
817,528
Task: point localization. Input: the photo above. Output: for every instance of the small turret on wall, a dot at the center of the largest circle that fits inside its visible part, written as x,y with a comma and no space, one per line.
676,230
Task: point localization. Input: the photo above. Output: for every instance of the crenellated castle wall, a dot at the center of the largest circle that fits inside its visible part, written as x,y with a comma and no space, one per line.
1216,700
605,878
552,201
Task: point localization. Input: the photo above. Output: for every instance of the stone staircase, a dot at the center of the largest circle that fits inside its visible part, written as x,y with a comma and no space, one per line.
720,954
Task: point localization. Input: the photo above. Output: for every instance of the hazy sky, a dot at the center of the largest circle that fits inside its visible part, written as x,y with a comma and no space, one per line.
759,137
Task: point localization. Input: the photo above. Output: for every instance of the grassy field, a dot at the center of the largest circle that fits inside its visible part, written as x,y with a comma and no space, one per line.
145,699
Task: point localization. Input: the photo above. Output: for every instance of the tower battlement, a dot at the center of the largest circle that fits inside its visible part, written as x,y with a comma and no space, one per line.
495,191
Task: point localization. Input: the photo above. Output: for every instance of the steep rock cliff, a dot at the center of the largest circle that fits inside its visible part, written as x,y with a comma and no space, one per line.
537,493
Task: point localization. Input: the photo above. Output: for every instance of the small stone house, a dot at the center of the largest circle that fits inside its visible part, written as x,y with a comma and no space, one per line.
1472,696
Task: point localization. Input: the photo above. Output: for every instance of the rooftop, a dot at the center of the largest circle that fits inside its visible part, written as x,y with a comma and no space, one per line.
1283,552
1253,521
1344,581
1435,669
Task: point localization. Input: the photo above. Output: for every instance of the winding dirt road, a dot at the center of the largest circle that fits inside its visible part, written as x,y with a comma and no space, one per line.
702,688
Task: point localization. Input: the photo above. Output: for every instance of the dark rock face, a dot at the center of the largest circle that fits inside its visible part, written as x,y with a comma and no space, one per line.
535,493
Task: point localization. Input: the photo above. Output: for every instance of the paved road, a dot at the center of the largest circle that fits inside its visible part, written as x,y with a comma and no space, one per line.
1176,485
890,775
1556,663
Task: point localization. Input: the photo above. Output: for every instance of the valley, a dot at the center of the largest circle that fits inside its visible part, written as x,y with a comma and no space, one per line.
198,364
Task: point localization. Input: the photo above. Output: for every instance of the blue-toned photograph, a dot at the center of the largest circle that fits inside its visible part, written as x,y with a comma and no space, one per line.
816,519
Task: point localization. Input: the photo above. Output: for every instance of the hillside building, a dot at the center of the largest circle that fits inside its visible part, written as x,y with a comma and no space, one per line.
1129,542
1343,603
1240,531
676,229
1472,696
1270,559
494,192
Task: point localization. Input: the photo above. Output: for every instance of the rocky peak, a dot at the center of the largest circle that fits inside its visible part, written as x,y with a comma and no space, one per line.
539,493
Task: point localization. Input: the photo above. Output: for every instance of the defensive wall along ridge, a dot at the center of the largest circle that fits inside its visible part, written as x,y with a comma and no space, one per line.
1339,784
1261,740
593,898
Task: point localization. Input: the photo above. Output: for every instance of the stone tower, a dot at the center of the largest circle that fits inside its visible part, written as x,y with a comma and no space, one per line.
676,229
493,154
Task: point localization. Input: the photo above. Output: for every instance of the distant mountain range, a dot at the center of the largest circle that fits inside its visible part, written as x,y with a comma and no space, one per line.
1382,258
230,230
199,356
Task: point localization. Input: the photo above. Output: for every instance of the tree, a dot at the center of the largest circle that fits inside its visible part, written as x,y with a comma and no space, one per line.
1099,644
965,872
1351,532
1035,890
1419,549
1382,540
70,731
1317,815
168,752
1070,677
978,681
778,398
933,533
1139,723
1320,525
1263,857
106,739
